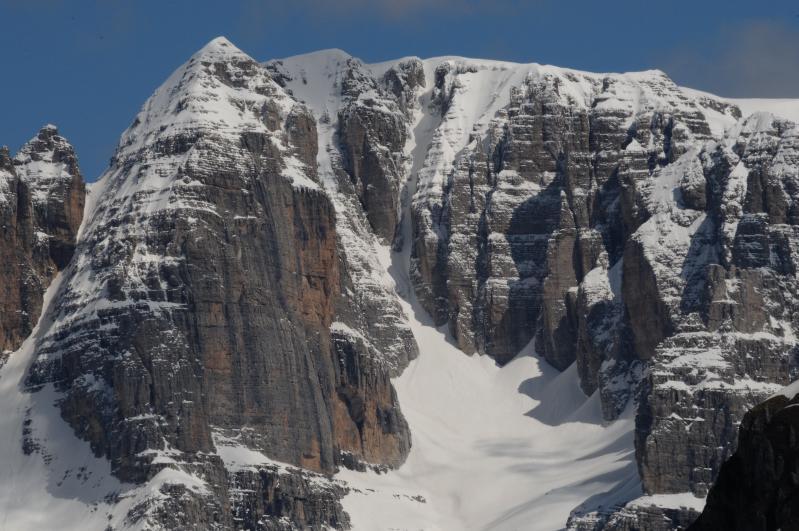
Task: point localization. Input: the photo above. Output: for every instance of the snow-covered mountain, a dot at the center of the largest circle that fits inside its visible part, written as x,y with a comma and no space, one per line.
41,205
421,294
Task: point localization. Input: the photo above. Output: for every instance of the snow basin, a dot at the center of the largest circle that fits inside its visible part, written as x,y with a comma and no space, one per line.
513,447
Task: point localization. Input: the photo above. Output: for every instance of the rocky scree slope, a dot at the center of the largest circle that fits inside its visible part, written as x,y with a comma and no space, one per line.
225,303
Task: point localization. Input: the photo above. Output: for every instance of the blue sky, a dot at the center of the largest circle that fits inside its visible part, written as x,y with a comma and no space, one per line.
88,65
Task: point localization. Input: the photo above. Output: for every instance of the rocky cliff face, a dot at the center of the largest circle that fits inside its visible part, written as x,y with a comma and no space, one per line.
211,298
715,267
227,312
756,488
606,212
541,195
41,205
739,280
644,232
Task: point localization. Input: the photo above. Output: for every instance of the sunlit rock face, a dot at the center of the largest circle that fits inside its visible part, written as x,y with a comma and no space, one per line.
635,229
210,298
229,310
715,261
41,206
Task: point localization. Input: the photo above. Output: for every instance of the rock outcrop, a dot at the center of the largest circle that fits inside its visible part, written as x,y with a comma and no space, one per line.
756,489
41,206
637,516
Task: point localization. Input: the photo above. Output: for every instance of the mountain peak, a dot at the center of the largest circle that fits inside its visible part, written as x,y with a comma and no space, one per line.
48,134
215,90
219,49
48,145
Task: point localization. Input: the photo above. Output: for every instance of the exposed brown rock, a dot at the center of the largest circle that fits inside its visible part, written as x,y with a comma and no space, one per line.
41,206
218,296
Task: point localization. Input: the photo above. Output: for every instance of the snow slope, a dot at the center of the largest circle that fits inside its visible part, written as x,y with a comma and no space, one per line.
517,447
782,107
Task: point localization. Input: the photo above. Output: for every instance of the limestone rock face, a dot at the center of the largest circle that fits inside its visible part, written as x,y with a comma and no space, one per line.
534,199
372,132
41,206
368,115
733,314
637,231
210,298
50,167
227,314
